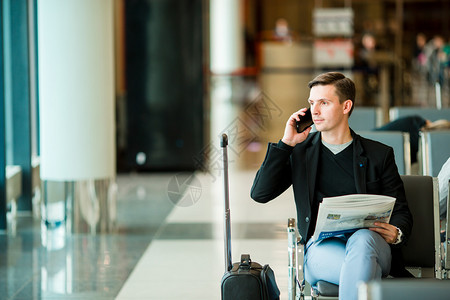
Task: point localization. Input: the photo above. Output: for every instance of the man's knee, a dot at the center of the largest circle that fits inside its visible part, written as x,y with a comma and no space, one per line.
367,241
367,247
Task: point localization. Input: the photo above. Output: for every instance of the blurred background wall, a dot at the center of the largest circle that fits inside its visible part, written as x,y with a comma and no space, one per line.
183,69
167,80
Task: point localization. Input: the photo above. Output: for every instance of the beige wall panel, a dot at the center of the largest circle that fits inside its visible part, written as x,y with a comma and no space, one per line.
286,55
289,92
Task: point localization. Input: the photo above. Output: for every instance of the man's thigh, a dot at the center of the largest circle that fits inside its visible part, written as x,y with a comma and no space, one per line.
370,250
323,260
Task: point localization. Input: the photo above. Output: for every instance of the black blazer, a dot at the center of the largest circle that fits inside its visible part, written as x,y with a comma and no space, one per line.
374,168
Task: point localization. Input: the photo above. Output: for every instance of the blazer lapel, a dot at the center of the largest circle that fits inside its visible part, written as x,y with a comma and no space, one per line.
359,165
312,161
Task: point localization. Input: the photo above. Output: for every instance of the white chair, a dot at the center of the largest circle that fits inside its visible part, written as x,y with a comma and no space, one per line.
365,118
399,141
411,289
431,114
434,150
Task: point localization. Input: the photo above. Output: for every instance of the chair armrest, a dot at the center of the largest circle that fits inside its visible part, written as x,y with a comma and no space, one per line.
447,235
292,259
295,263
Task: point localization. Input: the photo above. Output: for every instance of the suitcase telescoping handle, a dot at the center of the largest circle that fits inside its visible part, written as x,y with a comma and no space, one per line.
227,221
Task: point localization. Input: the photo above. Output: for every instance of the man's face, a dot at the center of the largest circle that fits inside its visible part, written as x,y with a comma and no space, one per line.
327,112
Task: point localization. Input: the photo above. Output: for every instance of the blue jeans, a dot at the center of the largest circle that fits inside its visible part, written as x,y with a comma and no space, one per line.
347,261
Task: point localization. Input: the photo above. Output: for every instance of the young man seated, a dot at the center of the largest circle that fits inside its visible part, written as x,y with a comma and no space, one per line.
335,161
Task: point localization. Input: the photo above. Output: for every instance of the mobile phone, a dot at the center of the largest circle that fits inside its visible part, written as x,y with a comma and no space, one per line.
305,121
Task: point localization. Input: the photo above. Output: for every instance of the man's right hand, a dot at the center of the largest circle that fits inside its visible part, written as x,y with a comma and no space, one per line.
291,137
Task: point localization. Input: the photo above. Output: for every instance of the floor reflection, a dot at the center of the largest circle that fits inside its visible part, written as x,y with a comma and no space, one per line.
49,262
57,262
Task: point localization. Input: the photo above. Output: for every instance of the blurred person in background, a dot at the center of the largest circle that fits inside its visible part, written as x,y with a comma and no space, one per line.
435,59
414,125
283,32
420,58
369,70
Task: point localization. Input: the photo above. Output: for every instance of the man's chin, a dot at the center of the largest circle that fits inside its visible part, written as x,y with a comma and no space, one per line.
319,127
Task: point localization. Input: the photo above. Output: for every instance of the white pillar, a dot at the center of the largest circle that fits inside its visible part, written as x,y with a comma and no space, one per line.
76,96
226,36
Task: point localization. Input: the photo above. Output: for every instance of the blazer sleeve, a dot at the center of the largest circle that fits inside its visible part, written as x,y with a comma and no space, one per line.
274,175
393,186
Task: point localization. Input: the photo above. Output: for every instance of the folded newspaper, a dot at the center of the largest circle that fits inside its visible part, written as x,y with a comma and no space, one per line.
346,214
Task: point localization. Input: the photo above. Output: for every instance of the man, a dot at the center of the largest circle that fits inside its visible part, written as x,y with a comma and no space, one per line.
414,124
335,161
411,124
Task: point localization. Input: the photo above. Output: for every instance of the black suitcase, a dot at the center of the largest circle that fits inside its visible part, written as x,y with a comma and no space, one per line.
245,280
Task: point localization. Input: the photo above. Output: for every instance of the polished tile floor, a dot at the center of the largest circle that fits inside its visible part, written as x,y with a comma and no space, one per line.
185,260
41,263
169,239
162,250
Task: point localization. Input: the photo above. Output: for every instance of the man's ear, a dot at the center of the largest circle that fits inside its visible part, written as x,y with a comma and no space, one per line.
347,106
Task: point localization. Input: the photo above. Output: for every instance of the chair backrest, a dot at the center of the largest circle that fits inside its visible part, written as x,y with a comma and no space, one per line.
434,150
364,118
431,114
423,247
399,141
